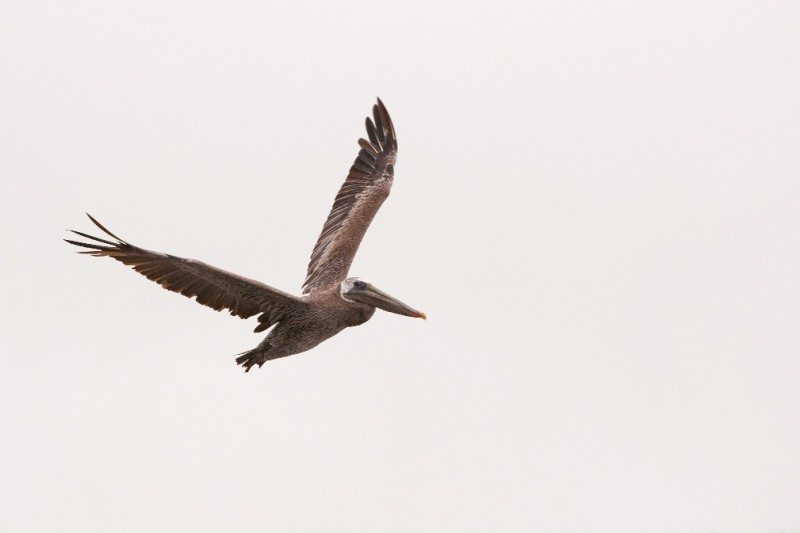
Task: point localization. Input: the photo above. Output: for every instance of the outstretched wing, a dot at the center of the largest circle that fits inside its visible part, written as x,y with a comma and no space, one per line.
213,287
361,195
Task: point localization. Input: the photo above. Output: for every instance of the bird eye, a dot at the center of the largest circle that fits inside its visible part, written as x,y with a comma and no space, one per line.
360,285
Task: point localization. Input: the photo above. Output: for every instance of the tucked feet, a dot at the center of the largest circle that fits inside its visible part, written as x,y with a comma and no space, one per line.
251,357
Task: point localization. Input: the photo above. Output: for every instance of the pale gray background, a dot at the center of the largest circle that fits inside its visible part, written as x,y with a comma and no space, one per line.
595,203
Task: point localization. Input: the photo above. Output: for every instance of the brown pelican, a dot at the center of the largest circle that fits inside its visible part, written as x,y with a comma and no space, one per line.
330,301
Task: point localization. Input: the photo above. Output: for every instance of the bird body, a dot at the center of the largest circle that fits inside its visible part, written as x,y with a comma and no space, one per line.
326,314
330,301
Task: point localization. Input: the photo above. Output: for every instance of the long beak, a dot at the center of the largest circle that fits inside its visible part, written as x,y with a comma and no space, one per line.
377,298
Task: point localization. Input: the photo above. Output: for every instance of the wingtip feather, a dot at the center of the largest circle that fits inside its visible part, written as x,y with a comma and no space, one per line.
99,225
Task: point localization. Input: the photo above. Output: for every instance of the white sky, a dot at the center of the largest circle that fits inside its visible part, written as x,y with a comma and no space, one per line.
596,204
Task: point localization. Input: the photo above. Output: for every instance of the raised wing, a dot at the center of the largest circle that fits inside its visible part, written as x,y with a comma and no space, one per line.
213,287
361,195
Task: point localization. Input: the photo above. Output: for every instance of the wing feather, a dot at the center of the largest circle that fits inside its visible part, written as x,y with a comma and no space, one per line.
367,185
210,286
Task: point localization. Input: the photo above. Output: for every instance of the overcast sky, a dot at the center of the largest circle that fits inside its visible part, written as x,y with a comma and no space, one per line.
596,204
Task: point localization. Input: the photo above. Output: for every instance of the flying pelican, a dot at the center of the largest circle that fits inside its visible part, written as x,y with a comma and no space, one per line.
330,301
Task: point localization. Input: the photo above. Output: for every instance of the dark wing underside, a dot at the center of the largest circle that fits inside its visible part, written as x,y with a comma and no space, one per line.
212,287
366,187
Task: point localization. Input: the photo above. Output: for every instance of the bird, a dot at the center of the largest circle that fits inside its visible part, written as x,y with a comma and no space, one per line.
329,302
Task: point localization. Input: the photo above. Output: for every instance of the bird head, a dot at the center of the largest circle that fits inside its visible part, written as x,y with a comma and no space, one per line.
359,290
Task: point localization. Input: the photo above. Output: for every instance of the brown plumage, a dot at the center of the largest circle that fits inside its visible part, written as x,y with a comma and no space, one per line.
359,198
329,302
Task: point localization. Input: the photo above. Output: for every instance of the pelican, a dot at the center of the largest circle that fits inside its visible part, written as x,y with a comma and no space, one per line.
330,301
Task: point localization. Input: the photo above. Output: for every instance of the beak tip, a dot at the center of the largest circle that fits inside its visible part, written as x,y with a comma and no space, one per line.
423,316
